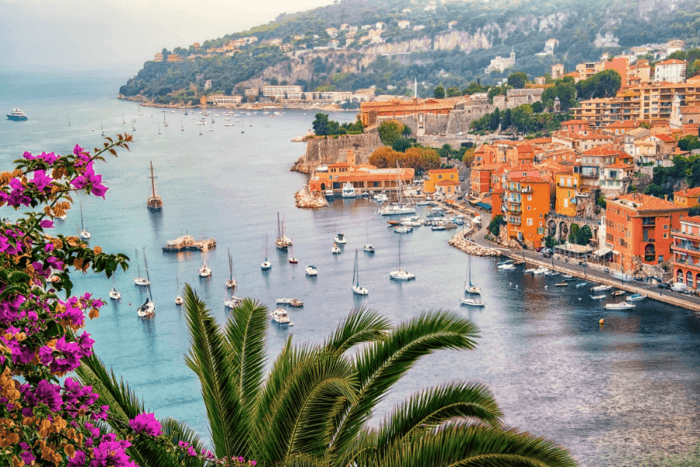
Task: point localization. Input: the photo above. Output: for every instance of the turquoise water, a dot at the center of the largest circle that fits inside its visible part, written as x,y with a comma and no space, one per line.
554,370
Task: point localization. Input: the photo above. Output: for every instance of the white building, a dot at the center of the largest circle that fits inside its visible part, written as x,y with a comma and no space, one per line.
499,63
207,84
333,32
403,24
671,71
280,91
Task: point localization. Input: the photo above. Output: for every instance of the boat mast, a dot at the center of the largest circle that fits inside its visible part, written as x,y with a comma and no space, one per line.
138,264
148,279
153,182
470,270
399,253
230,265
82,223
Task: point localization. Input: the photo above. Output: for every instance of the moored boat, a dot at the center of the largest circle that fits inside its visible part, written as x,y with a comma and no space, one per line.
114,294
601,288
280,317
311,271
637,297
472,302
17,115
619,306
598,297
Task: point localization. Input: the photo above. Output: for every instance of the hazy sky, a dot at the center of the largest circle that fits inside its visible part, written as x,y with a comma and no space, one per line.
119,35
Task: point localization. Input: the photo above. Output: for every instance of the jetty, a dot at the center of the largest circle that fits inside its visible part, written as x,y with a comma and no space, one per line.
305,199
188,243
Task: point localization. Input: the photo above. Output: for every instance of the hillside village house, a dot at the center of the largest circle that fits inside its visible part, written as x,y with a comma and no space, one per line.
436,176
526,203
687,198
686,252
670,71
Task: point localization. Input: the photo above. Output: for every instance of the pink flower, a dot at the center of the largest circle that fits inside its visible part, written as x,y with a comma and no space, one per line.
146,423
46,224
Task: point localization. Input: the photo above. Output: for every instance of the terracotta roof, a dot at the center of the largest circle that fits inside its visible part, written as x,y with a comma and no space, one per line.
574,122
665,138
671,61
530,180
525,148
340,164
497,189
488,167
688,192
443,171
590,136
623,124
540,140
619,166
692,220
602,151
647,203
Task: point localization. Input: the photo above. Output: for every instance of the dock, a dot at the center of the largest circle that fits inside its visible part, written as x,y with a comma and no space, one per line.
188,243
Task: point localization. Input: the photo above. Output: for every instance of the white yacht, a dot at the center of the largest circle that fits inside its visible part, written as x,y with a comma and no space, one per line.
231,282
148,309
357,289
539,271
468,286
381,198
400,274
233,302
403,229
205,271
507,265
396,210
311,271
329,193
340,239
266,265
138,280
472,302
283,242
336,250
368,248
280,317
601,288
348,191
619,306
114,295
84,234
178,300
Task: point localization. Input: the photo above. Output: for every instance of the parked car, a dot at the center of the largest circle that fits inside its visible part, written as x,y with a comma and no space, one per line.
679,287
663,285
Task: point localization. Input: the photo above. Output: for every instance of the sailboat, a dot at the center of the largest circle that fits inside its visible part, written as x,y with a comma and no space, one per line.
140,280
292,258
68,121
114,294
154,202
368,246
231,282
468,286
164,122
282,242
357,289
148,308
133,128
182,128
204,271
400,274
159,132
232,302
178,300
84,234
266,265
400,208
123,121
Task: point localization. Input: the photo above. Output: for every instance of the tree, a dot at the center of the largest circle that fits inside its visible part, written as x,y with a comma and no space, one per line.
384,157
453,91
468,157
495,120
320,124
584,235
521,116
439,92
401,144
406,132
518,80
314,404
495,225
537,107
603,84
389,131
507,119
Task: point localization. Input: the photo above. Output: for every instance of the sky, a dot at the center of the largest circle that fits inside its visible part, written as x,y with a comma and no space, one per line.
118,36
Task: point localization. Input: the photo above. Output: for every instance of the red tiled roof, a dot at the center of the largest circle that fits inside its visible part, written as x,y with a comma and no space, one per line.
540,140
574,122
649,203
442,171
692,220
623,124
671,61
530,180
525,148
602,151
688,192
666,138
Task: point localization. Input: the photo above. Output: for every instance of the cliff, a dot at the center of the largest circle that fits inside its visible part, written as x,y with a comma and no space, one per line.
320,151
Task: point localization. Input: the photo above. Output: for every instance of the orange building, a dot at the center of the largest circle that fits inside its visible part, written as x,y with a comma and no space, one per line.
438,175
687,198
567,186
686,252
639,226
373,112
526,203
497,200
174,58
480,177
620,65
576,126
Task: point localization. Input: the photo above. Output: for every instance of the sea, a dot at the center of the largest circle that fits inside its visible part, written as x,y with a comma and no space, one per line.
607,393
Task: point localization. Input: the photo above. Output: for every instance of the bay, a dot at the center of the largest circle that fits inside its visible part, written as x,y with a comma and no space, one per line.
602,392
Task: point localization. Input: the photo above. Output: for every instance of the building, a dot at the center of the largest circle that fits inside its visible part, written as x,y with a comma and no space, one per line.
686,252
174,58
576,126
438,175
586,70
499,63
332,32
280,91
558,71
567,187
620,65
403,24
687,198
480,178
670,71
221,100
207,84
372,113
638,229
525,204
251,92
158,57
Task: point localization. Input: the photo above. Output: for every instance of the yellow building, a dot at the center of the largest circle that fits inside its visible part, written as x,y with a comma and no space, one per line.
174,58
687,198
567,186
439,175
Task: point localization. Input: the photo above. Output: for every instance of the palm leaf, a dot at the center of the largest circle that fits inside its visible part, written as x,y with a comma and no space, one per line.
211,358
433,407
381,364
474,446
360,326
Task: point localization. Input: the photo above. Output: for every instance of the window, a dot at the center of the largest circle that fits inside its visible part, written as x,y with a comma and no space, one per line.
665,235
529,197
529,221
528,208
665,227
566,203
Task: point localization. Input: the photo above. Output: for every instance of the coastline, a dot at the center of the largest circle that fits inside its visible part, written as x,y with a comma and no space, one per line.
247,106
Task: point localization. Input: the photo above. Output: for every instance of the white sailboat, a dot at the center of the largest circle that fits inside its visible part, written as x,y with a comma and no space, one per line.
400,208
84,234
400,274
114,294
468,286
368,246
148,309
232,302
204,271
266,265
164,122
140,281
282,242
231,282
178,300
357,289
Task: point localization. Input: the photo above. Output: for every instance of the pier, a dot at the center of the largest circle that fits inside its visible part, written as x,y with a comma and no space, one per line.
188,243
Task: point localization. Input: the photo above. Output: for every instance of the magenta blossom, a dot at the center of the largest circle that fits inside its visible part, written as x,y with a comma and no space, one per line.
146,423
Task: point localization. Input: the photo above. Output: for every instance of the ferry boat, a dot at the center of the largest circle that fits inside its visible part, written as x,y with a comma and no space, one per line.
17,116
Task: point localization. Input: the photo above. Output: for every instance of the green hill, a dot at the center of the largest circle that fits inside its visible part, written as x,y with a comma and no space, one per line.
451,44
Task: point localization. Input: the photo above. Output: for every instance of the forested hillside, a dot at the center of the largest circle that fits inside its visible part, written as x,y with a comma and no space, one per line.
451,44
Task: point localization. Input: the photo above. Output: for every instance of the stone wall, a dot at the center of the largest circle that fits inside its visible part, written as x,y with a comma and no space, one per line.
320,151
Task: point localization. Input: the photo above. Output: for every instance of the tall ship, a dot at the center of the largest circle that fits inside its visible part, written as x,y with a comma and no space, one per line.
17,116
154,203
283,242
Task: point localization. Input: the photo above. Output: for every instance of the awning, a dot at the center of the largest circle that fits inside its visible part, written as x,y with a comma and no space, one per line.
603,251
484,206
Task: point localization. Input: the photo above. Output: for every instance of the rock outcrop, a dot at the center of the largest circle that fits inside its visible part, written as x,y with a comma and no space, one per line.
304,199
459,241
321,151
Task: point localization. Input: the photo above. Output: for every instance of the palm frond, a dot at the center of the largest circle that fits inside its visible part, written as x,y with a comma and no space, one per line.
381,364
210,357
477,446
246,332
360,326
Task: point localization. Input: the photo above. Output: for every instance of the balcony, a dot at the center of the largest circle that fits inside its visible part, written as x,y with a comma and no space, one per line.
648,222
514,220
515,209
685,246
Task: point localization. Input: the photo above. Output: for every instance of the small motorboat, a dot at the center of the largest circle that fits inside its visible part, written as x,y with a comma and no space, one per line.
472,302
329,193
204,271
619,306
437,227
401,275
601,288
568,278
336,250
280,317
561,284
598,297
635,297
403,230
179,301
581,284
618,293
293,260
539,271
114,295
507,265
530,271
311,271
551,273
368,248
340,239
140,281
289,301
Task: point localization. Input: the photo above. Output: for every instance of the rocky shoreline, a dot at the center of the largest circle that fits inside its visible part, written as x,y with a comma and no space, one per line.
305,200
460,241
